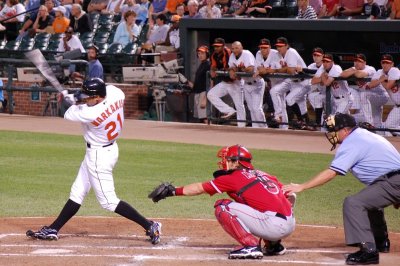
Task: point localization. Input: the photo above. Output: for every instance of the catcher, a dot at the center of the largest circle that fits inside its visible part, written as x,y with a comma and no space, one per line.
258,215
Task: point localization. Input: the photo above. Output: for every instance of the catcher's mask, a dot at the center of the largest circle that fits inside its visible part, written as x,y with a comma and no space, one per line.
334,123
222,154
241,154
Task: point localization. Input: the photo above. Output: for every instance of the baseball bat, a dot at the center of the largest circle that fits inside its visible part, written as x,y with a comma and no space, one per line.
37,58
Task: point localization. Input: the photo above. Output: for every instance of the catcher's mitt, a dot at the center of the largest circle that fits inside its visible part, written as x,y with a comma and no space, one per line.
162,191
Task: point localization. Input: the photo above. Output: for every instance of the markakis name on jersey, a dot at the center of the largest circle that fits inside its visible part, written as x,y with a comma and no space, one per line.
108,112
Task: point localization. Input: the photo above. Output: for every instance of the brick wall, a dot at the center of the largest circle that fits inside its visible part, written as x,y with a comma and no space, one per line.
135,100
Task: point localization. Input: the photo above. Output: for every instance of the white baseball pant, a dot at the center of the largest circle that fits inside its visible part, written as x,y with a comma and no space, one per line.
253,94
96,172
278,95
234,90
372,106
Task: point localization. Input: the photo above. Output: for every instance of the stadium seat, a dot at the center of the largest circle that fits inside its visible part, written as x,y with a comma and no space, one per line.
105,19
41,45
53,46
102,47
104,27
101,37
130,48
87,43
117,18
26,45
55,37
2,44
292,8
86,36
94,17
115,48
42,36
12,45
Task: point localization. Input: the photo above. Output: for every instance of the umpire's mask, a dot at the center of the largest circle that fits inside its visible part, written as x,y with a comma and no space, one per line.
334,123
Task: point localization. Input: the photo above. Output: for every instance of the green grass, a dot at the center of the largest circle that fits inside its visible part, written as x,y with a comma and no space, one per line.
37,171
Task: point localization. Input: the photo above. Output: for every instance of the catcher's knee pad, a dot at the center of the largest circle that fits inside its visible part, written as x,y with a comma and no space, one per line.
232,225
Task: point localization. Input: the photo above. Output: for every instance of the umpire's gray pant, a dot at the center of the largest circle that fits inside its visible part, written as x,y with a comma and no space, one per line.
363,216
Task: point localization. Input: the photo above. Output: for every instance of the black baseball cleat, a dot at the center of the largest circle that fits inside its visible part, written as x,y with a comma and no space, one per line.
246,253
363,257
45,233
273,248
154,233
384,246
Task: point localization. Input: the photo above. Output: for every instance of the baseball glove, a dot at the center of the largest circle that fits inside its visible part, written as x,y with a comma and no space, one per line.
162,191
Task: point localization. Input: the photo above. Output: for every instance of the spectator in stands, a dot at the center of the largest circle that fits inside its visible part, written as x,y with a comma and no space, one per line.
68,5
170,7
127,31
350,7
79,20
143,12
199,86
210,10
370,10
173,39
130,5
70,42
96,6
43,20
113,7
11,25
395,13
193,7
257,8
329,8
305,10
180,10
317,5
157,33
23,31
60,23
34,6
157,7
95,67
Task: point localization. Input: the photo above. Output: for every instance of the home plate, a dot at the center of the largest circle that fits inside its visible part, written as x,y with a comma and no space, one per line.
51,251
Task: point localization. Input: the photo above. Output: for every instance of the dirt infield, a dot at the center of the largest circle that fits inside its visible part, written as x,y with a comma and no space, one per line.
116,241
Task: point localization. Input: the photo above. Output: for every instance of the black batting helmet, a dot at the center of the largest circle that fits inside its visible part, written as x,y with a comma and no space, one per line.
94,87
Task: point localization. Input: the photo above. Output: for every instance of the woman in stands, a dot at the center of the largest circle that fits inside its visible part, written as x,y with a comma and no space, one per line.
127,30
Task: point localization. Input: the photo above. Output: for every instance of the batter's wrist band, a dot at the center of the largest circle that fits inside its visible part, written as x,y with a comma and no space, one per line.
179,191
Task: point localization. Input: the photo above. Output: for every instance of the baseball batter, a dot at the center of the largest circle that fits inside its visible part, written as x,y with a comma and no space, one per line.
387,77
257,208
375,162
101,115
325,76
243,61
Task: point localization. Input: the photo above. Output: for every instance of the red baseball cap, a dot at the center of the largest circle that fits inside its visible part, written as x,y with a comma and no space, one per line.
203,49
264,43
386,58
318,51
327,58
281,41
219,42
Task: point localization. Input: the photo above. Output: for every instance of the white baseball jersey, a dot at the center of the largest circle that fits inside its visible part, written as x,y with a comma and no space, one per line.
393,74
103,122
292,59
339,88
271,62
246,58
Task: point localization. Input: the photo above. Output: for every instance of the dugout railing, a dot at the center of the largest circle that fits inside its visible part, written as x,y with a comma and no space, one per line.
302,76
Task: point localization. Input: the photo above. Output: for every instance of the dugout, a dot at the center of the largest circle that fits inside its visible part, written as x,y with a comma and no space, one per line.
343,38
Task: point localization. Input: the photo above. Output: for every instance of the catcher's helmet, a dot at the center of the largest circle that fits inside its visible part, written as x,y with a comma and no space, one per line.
94,87
241,154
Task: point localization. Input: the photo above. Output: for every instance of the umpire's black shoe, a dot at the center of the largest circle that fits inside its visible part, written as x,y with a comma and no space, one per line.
384,246
363,257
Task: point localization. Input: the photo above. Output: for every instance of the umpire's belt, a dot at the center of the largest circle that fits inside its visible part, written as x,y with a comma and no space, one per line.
89,146
393,173
280,216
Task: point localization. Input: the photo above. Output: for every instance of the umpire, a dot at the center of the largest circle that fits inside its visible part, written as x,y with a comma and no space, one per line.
375,162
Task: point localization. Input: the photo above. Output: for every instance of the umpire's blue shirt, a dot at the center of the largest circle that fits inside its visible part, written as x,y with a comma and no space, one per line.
366,155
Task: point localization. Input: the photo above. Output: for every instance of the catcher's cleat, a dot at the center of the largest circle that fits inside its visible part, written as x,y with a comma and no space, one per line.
154,233
273,248
246,253
45,233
